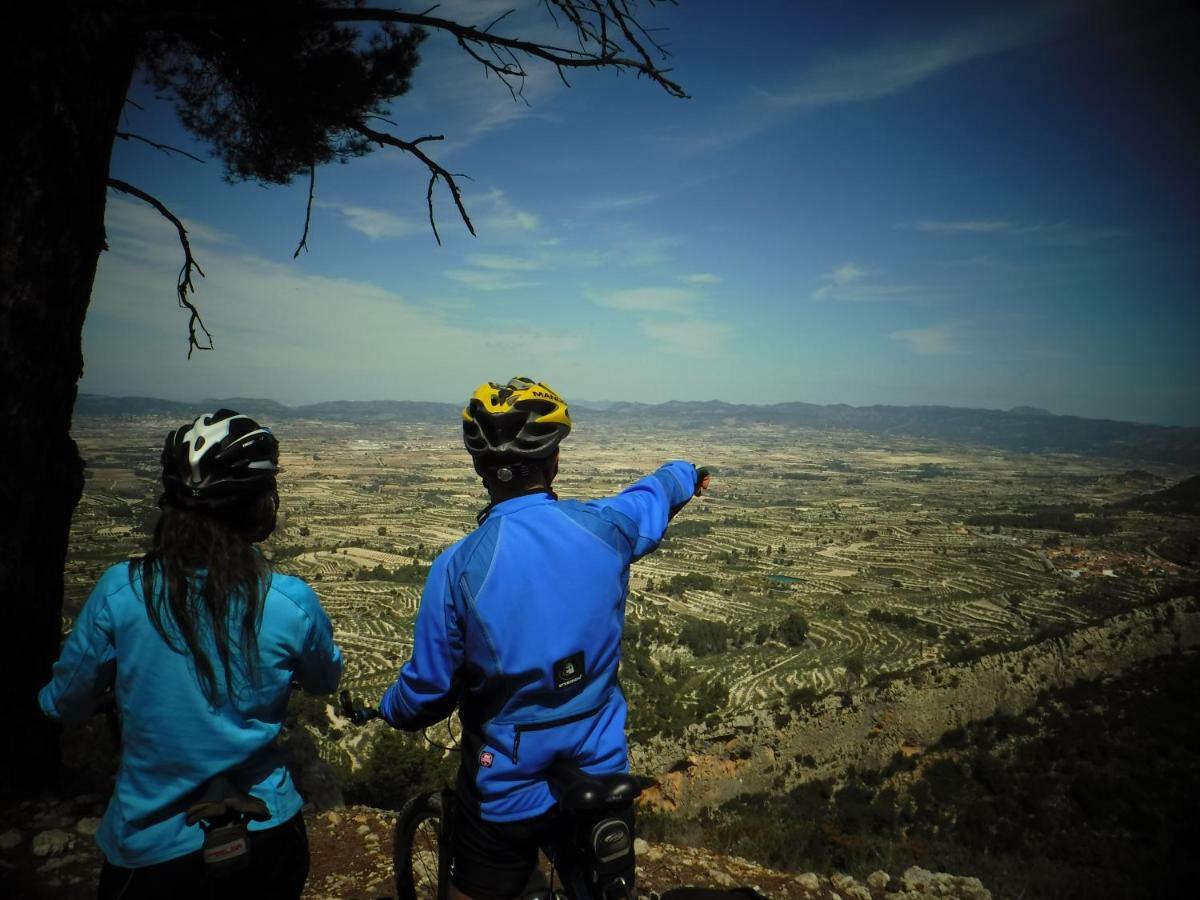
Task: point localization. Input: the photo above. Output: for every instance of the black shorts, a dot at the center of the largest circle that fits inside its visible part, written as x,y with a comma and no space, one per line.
494,860
278,870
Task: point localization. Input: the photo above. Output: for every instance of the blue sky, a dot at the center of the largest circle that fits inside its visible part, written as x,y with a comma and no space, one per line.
966,204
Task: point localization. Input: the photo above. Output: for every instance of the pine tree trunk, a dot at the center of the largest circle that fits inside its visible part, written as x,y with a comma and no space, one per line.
70,77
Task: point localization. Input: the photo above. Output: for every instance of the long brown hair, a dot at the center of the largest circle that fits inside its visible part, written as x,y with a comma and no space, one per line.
202,569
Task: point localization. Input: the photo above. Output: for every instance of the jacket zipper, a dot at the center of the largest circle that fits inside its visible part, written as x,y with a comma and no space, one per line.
542,726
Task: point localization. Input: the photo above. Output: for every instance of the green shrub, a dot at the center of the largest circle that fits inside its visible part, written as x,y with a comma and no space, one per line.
793,629
397,768
704,637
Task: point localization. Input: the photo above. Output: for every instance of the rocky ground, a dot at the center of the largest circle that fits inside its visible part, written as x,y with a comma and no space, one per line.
47,850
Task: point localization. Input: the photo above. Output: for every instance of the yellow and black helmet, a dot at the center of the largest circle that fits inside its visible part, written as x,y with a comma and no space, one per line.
521,420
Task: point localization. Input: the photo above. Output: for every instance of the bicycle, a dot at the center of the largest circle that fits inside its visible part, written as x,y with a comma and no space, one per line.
591,857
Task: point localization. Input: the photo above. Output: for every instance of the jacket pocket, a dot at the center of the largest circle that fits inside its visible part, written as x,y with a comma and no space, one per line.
520,729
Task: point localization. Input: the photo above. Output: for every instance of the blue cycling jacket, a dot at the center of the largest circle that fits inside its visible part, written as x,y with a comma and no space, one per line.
520,625
172,740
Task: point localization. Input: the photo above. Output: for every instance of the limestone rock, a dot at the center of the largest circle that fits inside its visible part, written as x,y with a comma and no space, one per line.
724,879
51,843
640,847
856,892
921,883
333,818
808,881
916,879
58,862
879,879
11,838
88,826
363,829
960,887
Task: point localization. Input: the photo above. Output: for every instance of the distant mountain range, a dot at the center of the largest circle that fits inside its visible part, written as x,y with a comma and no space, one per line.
1023,429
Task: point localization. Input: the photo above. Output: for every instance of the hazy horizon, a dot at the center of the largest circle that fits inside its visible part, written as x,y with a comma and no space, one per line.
598,403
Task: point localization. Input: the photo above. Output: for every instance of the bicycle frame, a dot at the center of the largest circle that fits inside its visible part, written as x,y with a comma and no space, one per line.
590,850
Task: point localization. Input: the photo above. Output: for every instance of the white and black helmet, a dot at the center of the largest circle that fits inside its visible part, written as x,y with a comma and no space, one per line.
218,460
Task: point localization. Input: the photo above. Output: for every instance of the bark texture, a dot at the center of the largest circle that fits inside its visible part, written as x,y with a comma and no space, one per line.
69,76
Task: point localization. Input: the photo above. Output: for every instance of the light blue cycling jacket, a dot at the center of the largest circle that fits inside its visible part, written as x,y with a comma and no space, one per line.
520,624
173,741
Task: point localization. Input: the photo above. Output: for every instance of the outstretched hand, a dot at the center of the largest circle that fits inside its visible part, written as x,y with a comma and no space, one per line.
703,477
358,715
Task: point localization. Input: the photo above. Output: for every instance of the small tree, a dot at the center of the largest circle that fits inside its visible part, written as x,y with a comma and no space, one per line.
793,629
855,664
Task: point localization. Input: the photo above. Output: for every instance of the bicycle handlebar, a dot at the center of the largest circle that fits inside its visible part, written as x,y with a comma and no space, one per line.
358,715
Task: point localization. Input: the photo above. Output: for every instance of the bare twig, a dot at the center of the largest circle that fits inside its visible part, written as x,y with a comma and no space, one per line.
381,119
435,170
496,21
184,285
165,148
312,186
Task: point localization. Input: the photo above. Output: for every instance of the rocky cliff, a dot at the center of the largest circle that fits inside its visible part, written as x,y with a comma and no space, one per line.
866,728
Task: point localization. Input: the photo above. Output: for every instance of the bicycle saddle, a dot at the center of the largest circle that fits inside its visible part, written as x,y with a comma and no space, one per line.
579,791
223,800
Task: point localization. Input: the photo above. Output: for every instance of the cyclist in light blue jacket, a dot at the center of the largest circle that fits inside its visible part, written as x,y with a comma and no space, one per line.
199,641
520,626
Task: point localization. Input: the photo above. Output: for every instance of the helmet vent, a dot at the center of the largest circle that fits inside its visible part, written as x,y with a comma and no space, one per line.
521,420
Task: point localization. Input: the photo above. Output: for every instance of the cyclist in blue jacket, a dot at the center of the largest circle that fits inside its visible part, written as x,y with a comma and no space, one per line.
199,641
520,626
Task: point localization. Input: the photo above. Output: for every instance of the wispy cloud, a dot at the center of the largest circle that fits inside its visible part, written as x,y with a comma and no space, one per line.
621,202
847,274
502,215
687,337
701,278
278,331
961,226
889,68
139,221
377,224
505,263
645,250
850,283
489,279
649,299
1060,233
871,71
932,340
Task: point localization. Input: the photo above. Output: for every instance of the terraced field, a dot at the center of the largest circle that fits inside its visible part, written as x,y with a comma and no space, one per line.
833,526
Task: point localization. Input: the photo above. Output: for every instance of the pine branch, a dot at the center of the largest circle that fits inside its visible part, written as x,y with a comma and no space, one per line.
184,285
604,51
435,170
165,148
312,186
606,54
